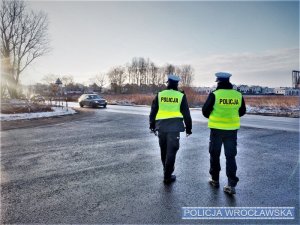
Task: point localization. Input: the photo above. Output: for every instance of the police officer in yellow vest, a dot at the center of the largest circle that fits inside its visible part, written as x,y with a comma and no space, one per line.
223,108
168,111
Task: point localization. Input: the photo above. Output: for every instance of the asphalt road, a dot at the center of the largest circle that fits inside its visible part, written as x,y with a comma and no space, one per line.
105,168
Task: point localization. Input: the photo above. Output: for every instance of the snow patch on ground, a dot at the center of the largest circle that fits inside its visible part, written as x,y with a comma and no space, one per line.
57,111
124,102
273,110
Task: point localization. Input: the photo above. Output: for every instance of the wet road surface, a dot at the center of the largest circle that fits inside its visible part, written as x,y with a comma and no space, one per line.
105,168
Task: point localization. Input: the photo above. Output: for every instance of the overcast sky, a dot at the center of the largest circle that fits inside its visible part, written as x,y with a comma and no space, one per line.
258,42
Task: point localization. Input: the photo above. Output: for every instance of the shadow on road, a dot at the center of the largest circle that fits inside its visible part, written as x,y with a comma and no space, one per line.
230,199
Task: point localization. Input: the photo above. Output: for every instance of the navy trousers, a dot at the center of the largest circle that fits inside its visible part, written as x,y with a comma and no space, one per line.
229,139
169,145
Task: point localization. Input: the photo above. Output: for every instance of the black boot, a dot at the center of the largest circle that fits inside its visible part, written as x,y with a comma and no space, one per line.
169,180
214,183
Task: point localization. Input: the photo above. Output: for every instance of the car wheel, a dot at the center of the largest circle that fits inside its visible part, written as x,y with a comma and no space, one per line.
104,106
81,105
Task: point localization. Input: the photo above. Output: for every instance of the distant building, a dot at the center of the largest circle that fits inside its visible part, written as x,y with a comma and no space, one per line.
203,90
244,89
287,91
256,90
267,91
279,90
292,92
94,88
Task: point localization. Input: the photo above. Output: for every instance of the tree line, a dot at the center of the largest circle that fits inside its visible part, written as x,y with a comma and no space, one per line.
140,75
143,75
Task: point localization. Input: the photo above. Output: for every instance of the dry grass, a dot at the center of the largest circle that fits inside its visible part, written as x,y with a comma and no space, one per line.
196,100
24,108
137,99
272,101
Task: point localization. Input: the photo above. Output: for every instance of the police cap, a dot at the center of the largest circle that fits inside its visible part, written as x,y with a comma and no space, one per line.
173,77
222,76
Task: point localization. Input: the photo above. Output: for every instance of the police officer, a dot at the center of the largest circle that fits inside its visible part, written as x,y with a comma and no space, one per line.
168,111
223,108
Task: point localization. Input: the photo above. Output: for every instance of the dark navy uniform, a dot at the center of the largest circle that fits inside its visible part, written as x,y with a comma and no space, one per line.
168,111
224,107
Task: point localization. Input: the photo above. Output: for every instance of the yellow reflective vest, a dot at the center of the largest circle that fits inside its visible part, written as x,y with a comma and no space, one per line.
225,114
169,102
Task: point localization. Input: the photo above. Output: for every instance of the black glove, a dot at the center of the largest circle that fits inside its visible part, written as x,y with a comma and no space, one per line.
188,131
152,126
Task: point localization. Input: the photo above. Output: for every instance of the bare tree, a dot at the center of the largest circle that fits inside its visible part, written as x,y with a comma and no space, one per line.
187,75
148,73
169,69
117,77
129,70
161,78
142,68
135,70
154,73
67,80
100,80
49,79
24,37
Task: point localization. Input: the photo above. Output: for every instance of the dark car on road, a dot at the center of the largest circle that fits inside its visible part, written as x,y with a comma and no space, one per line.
92,100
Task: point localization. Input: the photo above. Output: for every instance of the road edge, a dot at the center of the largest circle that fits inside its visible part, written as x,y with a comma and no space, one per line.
35,122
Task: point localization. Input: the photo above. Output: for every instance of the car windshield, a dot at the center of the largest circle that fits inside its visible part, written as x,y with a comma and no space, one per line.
94,97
